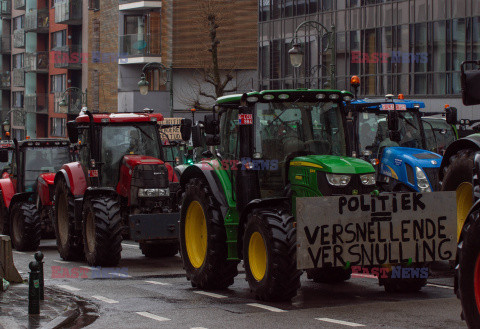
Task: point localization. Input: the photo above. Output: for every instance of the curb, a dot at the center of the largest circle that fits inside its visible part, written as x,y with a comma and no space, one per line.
62,320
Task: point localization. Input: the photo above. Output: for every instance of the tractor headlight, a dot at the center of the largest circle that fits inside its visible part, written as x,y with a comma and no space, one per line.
153,192
422,181
338,180
368,179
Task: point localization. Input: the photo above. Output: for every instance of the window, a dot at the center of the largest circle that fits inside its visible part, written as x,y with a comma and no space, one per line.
17,100
19,22
18,61
58,127
59,39
94,4
58,83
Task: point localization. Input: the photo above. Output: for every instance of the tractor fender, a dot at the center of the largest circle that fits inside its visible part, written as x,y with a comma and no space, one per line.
74,176
44,182
8,191
20,197
198,171
470,142
255,204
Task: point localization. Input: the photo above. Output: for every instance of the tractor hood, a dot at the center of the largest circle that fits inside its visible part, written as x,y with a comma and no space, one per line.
335,164
414,157
132,161
48,178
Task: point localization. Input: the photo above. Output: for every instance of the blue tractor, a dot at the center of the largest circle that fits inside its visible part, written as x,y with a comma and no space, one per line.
390,134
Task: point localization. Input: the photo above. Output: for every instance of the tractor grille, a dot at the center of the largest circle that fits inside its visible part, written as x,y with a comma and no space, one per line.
355,184
432,175
150,176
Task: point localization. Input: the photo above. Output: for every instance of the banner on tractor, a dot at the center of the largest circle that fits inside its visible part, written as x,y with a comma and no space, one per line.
365,230
172,132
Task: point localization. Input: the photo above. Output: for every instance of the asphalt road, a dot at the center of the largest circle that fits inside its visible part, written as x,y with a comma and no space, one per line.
146,293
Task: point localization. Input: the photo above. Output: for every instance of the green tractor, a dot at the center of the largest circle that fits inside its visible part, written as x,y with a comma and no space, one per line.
272,147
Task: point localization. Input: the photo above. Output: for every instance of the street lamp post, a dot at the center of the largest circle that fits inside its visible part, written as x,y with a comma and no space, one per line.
6,125
143,83
64,103
296,53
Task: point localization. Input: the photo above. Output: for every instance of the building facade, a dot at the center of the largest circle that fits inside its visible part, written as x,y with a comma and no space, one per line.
410,47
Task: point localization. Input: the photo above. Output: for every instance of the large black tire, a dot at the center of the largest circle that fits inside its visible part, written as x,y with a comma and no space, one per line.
4,222
213,271
25,226
69,242
329,275
468,270
408,285
159,249
278,279
102,231
459,170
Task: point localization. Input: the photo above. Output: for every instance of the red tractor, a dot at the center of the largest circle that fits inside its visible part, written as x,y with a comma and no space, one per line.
27,189
120,186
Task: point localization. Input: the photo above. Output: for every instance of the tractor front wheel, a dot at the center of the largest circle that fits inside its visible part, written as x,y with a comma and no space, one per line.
203,239
102,231
405,285
269,255
159,249
25,227
468,270
4,226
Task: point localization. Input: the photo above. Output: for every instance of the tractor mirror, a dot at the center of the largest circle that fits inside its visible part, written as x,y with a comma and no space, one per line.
212,140
451,115
197,135
72,131
392,120
186,129
470,86
3,155
211,124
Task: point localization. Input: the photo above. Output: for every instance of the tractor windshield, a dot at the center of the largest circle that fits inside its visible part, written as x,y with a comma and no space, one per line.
40,160
120,140
6,165
439,134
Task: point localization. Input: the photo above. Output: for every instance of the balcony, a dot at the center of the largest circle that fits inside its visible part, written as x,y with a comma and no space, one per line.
75,101
139,5
37,21
5,9
5,83
19,4
37,62
37,103
19,38
6,44
18,78
69,57
68,12
140,48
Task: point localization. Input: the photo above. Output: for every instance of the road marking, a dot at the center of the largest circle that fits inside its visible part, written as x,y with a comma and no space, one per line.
105,299
61,261
87,267
345,323
18,252
438,286
70,288
266,307
152,316
210,294
159,283
130,245
121,275
367,276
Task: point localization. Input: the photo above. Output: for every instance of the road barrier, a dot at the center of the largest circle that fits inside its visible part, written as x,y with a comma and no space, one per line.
7,268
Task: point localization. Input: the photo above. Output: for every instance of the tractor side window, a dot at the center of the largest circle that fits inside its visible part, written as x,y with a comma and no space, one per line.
84,152
229,134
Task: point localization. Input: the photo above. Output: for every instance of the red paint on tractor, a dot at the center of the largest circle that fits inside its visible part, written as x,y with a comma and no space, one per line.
121,117
43,188
8,189
76,177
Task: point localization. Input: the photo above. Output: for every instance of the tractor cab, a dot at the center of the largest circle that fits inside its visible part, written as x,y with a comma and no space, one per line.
439,134
8,145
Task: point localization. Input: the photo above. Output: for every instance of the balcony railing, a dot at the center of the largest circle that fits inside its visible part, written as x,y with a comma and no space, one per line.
19,4
5,80
37,21
6,44
18,77
75,101
5,8
68,12
36,62
36,103
68,57
19,38
132,45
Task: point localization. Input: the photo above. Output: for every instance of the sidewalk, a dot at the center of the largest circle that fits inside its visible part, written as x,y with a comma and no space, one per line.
58,310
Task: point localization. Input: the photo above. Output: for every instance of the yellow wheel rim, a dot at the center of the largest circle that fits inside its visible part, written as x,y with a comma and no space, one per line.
257,256
196,234
464,204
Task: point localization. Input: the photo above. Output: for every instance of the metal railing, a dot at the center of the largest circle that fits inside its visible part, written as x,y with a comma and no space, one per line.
19,4
69,12
68,57
36,103
6,44
18,78
140,44
37,20
5,82
36,61
19,38
5,8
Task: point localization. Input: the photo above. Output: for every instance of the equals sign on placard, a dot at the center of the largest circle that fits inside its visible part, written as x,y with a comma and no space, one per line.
385,216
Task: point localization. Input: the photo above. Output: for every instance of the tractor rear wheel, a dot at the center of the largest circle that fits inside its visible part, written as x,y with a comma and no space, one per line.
25,227
329,275
102,231
468,271
270,255
159,249
203,239
69,242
